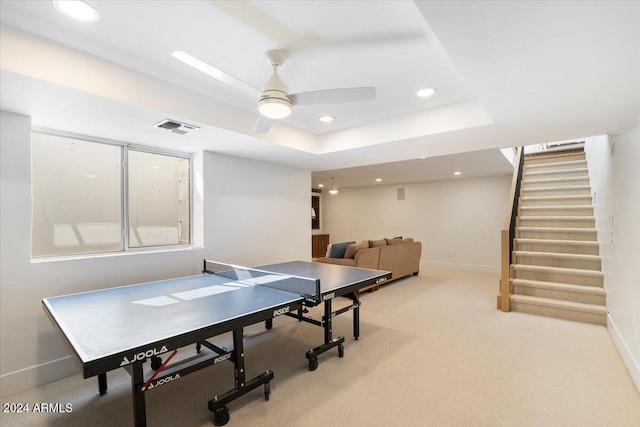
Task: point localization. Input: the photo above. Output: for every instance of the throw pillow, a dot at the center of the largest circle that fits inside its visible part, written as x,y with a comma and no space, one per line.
354,248
338,249
377,243
407,240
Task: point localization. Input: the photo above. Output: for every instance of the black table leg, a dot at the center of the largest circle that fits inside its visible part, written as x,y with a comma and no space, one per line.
139,410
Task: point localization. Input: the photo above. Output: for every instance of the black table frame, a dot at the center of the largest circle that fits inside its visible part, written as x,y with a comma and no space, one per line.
133,360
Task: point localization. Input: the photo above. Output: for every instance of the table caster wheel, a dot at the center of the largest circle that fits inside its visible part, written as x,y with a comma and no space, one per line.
221,416
268,323
156,363
313,364
341,350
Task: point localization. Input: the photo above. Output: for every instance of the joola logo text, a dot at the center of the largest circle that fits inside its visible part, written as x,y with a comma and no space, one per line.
143,355
280,311
162,381
381,279
328,296
222,358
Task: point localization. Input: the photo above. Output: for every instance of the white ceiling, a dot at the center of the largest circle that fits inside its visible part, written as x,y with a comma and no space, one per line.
507,73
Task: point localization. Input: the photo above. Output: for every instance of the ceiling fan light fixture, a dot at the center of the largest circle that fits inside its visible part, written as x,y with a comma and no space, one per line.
274,107
334,188
77,9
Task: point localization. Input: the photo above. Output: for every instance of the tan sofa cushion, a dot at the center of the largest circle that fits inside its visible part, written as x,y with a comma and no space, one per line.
377,243
353,248
394,241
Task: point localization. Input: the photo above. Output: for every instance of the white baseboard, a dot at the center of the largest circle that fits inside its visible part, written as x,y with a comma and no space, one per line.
631,363
36,376
460,267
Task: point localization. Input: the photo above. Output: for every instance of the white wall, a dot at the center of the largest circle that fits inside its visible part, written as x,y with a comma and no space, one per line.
255,213
615,184
458,221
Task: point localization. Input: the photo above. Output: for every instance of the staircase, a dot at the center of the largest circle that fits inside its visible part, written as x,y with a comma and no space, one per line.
555,266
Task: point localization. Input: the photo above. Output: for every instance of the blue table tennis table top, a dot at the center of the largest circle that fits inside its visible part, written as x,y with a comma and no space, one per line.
106,322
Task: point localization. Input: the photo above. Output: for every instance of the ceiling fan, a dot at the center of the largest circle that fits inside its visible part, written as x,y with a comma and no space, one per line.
274,100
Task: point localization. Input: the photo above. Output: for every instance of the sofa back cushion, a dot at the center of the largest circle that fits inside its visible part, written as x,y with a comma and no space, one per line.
377,243
353,248
394,241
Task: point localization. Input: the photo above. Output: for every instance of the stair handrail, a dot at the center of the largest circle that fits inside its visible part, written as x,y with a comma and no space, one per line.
508,233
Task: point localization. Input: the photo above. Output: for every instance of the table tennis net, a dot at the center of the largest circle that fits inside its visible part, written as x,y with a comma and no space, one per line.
303,286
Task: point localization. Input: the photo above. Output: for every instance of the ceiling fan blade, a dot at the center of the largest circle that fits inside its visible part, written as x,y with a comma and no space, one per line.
263,124
333,96
216,73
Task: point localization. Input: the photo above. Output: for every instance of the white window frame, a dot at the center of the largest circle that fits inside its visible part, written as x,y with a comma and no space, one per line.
124,196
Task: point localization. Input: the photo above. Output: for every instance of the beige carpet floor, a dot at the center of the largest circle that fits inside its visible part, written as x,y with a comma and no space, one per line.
433,351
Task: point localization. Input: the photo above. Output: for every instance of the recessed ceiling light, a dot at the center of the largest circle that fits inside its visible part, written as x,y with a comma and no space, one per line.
320,185
378,179
326,119
77,10
426,92
457,173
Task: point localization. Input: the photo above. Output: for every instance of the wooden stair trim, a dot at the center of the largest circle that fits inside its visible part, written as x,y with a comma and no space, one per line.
558,242
554,164
557,229
558,218
560,304
560,171
570,196
560,188
560,287
563,179
559,270
577,257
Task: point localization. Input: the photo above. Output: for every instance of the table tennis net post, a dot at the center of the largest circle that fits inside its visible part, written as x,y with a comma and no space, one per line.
303,286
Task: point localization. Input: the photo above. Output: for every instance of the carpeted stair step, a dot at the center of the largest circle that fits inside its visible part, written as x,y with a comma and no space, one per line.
577,210
559,291
557,221
565,190
554,182
558,173
557,200
555,166
557,233
560,260
589,313
557,246
571,276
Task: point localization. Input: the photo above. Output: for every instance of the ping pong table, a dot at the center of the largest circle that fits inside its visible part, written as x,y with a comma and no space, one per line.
134,326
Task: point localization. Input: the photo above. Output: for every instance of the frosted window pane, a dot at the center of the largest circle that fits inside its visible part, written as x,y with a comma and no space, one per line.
77,203
158,199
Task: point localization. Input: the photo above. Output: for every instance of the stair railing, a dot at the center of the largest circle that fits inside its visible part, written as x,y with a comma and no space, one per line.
508,233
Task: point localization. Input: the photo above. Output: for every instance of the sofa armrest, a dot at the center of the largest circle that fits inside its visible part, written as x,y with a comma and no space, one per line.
367,258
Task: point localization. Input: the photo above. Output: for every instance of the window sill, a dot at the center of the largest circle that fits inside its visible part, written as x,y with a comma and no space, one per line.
130,252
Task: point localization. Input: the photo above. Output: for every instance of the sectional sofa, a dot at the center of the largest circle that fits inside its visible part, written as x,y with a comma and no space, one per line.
399,256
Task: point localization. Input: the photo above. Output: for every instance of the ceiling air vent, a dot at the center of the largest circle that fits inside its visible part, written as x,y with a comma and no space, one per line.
176,127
